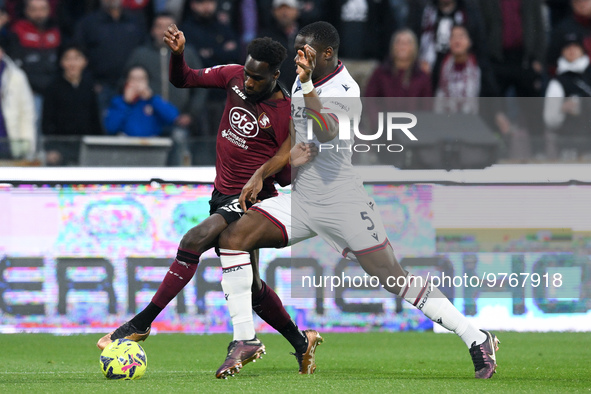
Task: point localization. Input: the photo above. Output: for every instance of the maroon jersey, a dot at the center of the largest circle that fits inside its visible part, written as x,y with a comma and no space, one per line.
250,132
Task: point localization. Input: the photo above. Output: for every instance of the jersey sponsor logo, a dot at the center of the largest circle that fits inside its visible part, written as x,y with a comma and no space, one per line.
233,138
346,87
243,122
237,90
264,121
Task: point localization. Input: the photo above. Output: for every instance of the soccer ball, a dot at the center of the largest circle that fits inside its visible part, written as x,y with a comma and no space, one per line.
124,360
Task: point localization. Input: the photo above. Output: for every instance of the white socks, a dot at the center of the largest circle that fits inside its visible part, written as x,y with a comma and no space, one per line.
236,283
431,301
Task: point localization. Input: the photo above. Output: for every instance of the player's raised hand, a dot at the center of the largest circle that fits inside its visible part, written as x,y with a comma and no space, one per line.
175,39
303,153
250,191
306,62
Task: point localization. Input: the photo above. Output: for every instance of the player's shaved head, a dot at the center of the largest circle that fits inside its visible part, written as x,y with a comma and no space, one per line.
323,34
269,51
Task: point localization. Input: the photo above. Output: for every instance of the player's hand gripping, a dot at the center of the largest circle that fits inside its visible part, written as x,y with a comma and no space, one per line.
306,62
175,39
303,153
250,191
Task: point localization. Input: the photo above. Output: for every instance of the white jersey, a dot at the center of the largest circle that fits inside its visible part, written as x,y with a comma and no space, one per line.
328,198
331,171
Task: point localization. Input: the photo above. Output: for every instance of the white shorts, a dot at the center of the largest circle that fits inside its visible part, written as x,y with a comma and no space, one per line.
352,225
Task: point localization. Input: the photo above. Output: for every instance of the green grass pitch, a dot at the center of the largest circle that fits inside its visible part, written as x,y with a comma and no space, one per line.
366,362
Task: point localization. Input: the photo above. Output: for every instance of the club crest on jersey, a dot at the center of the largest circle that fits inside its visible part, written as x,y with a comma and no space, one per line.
264,121
243,122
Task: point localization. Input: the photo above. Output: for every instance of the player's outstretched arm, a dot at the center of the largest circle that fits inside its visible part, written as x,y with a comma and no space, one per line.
306,62
175,39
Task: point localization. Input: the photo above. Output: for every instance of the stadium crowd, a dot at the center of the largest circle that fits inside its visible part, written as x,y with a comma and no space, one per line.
70,68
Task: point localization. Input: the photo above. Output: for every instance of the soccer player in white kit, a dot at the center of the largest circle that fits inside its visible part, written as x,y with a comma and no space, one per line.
328,199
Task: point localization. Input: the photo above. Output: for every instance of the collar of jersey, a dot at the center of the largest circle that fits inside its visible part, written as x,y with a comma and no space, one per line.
330,76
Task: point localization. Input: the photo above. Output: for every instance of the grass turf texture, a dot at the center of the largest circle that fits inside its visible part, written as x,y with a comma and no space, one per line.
369,362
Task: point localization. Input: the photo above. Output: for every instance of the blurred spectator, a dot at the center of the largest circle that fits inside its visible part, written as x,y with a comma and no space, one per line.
141,9
566,115
579,22
459,83
16,8
464,79
400,75
559,10
365,27
400,79
173,7
33,45
4,19
244,17
154,57
215,42
400,12
138,112
309,11
312,10
70,110
70,12
17,112
284,31
516,44
108,36
415,14
437,20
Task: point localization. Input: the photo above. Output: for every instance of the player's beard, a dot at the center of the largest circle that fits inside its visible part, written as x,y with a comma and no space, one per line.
262,95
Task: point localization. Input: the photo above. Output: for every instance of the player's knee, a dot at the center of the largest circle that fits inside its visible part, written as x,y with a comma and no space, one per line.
197,239
231,239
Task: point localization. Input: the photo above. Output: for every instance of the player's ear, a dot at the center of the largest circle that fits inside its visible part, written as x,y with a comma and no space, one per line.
328,53
276,74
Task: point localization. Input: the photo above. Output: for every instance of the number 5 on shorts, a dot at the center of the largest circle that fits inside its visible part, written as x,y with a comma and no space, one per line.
364,216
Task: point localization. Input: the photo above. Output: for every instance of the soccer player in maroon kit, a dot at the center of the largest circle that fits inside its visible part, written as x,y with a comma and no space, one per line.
255,128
